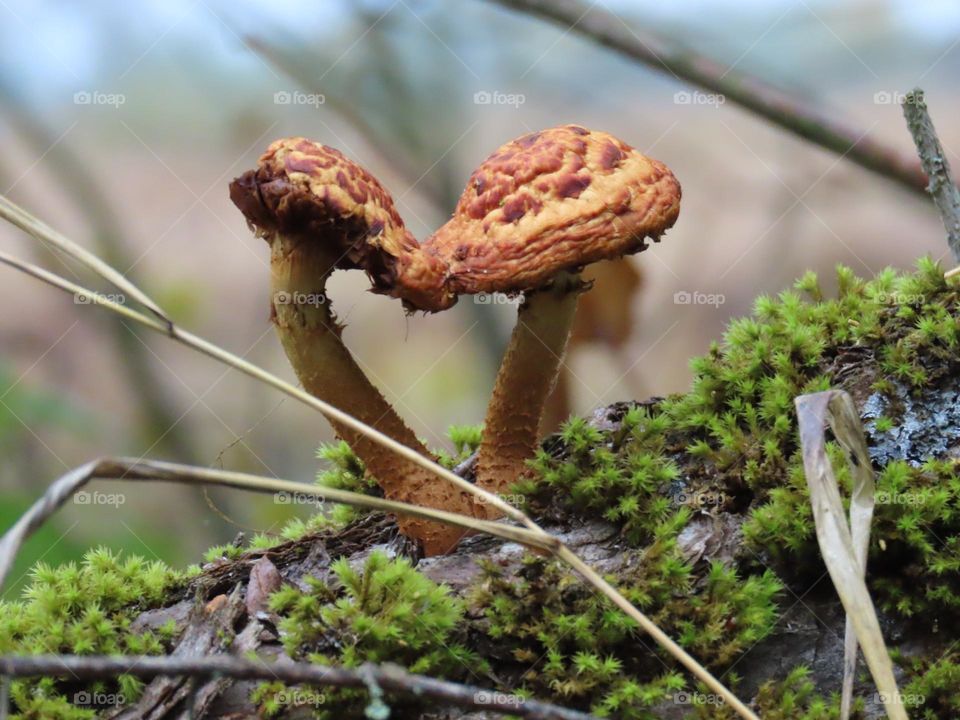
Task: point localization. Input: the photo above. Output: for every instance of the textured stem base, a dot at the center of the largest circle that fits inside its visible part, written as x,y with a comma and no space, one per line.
310,336
528,373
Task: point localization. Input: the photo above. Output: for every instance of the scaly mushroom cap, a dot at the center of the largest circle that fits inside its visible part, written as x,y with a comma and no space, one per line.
549,201
313,193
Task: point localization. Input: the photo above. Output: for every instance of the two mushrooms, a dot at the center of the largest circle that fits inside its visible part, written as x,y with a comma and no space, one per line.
532,216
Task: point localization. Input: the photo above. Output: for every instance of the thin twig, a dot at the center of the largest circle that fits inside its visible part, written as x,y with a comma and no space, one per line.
945,194
749,92
132,469
388,677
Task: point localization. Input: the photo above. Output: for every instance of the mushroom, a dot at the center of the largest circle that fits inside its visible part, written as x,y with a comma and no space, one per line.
532,216
320,212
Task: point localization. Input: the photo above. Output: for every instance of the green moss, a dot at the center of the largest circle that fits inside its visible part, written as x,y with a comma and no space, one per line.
793,698
222,552
931,692
343,471
466,440
592,653
613,477
83,609
729,444
386,612
734,435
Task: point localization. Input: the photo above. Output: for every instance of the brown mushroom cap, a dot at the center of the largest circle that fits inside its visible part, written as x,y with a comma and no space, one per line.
547,202
309,191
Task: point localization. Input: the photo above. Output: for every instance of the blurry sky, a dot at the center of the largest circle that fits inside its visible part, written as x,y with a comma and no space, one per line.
159,104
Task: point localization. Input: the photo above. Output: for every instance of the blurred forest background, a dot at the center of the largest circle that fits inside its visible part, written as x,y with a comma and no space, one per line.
122,123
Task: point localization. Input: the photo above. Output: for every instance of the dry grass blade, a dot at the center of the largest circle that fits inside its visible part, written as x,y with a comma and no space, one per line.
218,353
131,469
16,215
549,542
844,547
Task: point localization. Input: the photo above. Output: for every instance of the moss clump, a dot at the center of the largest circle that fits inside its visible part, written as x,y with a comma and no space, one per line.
734,434
388,612
914,562
466,440
931,692
615,476
730,444
739,410
794,697
592,650
83,609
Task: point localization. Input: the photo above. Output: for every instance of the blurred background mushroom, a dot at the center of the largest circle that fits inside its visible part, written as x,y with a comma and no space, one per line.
160,104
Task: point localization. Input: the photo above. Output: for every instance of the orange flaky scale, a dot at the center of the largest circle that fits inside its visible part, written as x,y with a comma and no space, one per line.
304,189
547,202
550,201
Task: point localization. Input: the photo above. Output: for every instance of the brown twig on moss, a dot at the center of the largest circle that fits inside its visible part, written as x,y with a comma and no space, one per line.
387,677
749,92
945,194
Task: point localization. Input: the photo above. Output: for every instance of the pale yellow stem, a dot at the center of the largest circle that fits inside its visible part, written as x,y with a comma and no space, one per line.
310,336
527,374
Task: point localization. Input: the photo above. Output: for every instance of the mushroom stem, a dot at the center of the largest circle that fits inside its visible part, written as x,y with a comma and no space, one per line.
310,335
527,375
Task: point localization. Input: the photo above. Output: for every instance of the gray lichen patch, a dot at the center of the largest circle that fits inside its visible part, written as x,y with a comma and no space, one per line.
927,426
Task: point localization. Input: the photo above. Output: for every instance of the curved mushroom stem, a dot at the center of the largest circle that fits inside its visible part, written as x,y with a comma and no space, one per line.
310,336
527,375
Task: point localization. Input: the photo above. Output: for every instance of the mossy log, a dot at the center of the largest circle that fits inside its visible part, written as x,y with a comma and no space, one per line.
694,505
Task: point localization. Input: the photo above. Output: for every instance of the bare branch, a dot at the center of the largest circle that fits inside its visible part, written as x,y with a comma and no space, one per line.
747,91
391,678
942,189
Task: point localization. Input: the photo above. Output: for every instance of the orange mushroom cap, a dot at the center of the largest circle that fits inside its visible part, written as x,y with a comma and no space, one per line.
544,203
311,192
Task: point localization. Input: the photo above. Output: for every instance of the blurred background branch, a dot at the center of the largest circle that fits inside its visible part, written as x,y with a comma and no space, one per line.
801,117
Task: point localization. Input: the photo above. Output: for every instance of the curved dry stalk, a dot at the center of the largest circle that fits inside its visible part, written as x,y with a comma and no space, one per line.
133,469
561,551
844,548
332,413
386,677
16,215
